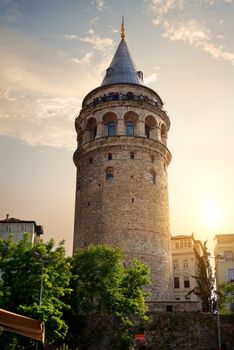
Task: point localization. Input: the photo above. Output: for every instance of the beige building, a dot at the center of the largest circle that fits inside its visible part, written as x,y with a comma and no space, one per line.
184,266
16,228
224,248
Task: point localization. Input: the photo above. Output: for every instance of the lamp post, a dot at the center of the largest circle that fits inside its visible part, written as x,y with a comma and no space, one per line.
216,258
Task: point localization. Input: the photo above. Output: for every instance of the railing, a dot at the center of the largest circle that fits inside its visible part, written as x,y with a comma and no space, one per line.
112,96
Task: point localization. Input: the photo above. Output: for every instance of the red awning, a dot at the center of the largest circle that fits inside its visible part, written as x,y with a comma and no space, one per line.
26,326
140,337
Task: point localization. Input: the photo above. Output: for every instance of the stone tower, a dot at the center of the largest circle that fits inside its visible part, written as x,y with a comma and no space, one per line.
122,159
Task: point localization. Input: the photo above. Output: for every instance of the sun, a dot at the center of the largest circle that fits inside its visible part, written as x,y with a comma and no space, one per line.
212,215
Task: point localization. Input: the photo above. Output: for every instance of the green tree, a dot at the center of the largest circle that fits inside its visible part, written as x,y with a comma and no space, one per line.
226,297
104,288
33,280
204,279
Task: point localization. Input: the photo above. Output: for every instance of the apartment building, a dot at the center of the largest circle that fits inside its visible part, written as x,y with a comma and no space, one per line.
16,228
184,266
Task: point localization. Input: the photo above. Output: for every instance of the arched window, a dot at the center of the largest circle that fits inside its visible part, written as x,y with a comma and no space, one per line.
163,131
111,128
132,155
92,128
150,124
129,128
109,174
147,131
109,156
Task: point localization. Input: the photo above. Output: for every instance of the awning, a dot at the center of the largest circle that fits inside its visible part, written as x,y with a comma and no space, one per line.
22,325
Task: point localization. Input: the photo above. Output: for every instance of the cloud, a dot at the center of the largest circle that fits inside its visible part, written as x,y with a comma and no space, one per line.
95,40
93,21
41,90
190,31
86,59
162,7
150,78
100,4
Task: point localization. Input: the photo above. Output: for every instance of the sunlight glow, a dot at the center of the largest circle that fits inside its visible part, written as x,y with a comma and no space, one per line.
212,216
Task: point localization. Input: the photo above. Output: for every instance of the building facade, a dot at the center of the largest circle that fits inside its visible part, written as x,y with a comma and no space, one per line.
122,159
17,228
224,253
184,266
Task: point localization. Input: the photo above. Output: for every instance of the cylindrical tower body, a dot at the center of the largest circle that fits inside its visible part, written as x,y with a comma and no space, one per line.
121,190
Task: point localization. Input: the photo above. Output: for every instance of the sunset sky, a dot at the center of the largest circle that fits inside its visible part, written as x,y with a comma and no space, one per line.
53,52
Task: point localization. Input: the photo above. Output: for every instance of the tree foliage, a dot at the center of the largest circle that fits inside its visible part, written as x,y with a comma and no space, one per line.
226,297
102,286
38,281
204,279
25,270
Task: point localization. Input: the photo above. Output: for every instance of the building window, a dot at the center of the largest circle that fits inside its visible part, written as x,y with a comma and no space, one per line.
228,255
90,160
175,265
186,282
177,244
109,174
111,128
230,275
185,264
176,282
184,243
109,156
177,298
131,155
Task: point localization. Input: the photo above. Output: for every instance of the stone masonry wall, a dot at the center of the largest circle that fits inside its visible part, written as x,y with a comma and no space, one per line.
129,210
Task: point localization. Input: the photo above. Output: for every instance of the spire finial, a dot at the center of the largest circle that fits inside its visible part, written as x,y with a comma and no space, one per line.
122,31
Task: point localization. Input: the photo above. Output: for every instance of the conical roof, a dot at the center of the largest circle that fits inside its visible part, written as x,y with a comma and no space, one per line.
122,68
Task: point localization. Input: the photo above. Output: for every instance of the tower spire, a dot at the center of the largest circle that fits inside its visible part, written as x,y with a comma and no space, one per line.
122,30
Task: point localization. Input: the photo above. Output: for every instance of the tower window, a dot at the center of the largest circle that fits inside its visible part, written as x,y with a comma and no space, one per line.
109,156
147,131
111,128
132,155
130,128
152,177
109,174
90,160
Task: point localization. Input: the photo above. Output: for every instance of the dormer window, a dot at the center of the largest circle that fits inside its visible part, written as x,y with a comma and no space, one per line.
109,71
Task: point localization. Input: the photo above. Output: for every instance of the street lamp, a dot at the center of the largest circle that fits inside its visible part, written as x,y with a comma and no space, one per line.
216,258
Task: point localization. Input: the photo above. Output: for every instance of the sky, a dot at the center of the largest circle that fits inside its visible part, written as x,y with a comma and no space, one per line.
53,52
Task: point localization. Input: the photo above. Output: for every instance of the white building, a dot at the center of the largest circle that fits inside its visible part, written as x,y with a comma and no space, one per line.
184,266
16,228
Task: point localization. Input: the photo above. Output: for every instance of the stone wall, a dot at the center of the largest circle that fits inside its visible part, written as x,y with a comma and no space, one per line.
121,190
